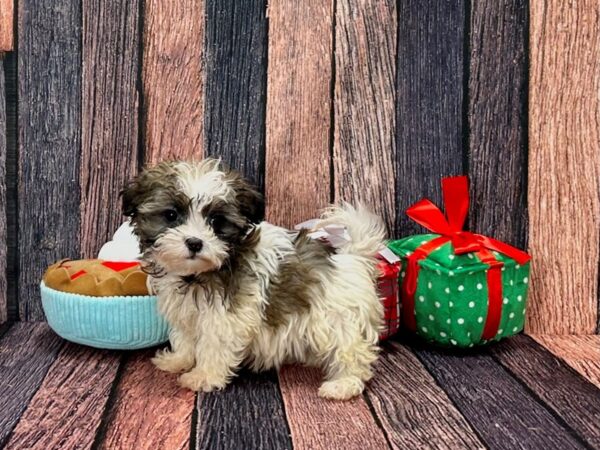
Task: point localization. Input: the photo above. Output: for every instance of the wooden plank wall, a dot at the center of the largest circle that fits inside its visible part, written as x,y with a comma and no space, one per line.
314,101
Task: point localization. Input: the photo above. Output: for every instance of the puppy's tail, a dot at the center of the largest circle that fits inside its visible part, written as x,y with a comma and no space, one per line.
366,230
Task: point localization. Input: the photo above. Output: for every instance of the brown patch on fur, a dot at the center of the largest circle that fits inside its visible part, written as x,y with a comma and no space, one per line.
298,276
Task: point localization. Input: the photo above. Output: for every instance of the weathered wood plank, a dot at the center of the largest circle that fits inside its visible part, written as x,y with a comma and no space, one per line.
149,410
26,352
110,115
316,423
236,76
413,410
364,148
570,396
49,141
6,25
66,411
503,412
429,111
497,119
564,167
246,414
298,109
3,208
580,352
172,79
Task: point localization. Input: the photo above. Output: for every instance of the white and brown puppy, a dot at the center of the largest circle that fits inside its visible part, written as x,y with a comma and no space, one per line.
238,291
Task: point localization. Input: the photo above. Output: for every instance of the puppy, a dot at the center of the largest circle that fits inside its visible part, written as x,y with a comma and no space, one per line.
236,290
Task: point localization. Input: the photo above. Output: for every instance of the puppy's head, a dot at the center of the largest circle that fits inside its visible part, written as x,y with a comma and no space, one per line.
191,217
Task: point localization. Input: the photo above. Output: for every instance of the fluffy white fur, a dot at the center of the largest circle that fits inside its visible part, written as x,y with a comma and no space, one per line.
210,339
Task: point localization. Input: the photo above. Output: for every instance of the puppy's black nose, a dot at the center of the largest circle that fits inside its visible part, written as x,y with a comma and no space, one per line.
194,244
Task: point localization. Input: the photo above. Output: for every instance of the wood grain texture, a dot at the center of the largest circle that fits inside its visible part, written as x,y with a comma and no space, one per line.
3,208
236,84
65,412
503,412
172,79
564,167
413,410
580,352
497,119
26,352
149,410
316,423
49,142
6,25
110,116
247,414
575,400
298,109
364,148
429,117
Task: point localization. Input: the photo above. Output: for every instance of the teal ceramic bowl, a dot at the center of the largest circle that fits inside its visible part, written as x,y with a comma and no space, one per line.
121,323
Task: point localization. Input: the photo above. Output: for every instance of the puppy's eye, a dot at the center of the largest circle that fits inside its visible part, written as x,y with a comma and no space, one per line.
217,221
170,215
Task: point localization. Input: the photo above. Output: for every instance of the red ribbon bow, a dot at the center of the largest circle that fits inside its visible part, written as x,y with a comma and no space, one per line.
450,226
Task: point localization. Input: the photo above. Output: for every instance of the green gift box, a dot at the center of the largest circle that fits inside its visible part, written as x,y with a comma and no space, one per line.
459,288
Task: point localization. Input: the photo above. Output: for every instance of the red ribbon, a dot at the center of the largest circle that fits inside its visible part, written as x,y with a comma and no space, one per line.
455,192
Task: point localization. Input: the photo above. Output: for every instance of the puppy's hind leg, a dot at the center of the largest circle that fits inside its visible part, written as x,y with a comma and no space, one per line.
181,356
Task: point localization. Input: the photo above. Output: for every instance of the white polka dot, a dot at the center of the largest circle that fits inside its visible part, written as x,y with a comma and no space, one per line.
471,304
429,285
453,342
461,288
402,274
451,257
431,317
442,334
503,269
447,290
451,273
500,331
471,345
517,267
470,255
460,321
450,304
520,298
505,301
480,319
424,329
496,253
408,253
469,334
511,282
423,242
524,310
479,286
437,304
511,315
459,267
421,298
448,321
515,329
525,280
438,272
471,273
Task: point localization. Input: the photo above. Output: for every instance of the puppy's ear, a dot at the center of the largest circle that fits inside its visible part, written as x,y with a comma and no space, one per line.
131,197
250,201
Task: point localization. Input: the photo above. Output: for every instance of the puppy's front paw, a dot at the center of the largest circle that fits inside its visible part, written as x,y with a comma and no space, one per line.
342,388
197,380
172,362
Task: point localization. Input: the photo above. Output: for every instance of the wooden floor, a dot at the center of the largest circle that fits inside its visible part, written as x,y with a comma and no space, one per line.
538,393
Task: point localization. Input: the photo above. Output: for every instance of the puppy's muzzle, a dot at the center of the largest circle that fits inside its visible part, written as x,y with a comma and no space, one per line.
194,245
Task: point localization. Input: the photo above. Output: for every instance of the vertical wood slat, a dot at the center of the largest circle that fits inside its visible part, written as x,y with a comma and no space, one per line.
110,115
429,110
49,142
564,167
248,413
503,412
172,79
319,424
580,352
3,204
412,409
497,117
149,410
66,411
6,25
236,75
364,148
298,109
26,350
